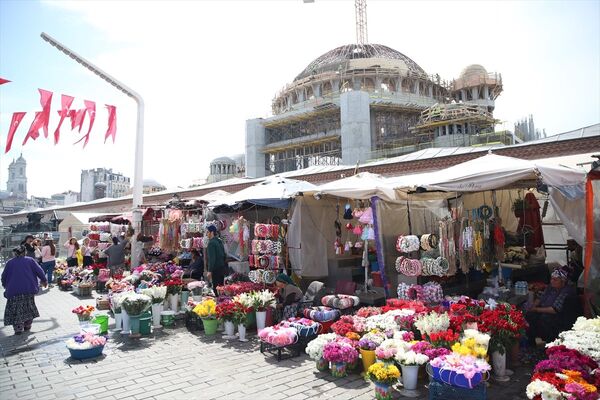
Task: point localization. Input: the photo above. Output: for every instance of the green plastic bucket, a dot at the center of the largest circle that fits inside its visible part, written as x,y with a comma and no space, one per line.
101,320
210,326
145,324
250,320
167,318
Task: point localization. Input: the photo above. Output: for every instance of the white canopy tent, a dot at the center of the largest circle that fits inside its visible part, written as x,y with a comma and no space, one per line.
274,191
363,186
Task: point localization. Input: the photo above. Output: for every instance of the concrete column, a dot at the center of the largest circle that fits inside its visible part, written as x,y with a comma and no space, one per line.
317,90
463,95
486,92
475,93
335,85
301,95
255,141
430,90
417,91
355,126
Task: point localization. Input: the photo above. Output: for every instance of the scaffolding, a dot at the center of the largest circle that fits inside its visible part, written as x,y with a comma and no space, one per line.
453,114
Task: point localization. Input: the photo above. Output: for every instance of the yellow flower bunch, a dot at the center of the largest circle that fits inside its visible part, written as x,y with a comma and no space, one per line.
469,348
381,372
206,309
575,377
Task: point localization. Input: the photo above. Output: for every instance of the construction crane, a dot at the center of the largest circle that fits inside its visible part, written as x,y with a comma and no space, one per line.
361,20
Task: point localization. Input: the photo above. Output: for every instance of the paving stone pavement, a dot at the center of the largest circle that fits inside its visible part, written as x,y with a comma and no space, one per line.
170,364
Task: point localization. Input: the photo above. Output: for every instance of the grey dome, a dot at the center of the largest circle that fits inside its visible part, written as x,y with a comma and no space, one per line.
338,58
222,160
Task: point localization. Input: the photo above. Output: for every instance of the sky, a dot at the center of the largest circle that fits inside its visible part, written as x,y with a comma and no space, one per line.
205,67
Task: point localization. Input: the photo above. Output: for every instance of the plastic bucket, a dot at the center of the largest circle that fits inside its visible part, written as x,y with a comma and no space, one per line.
145,324
90,328
101,320
454,379
210,326
167,318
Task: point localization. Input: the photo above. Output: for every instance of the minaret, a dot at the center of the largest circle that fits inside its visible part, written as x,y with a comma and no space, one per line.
17,178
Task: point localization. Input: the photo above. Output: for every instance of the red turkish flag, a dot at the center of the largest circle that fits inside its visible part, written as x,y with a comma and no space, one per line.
14,124
77,119
112,123
90,107
42,118
3,81
65,102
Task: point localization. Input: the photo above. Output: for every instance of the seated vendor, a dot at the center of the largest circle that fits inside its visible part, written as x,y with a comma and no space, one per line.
290,294
196,267
547,316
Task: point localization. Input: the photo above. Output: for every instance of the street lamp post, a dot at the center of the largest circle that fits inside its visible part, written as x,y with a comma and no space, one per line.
138,174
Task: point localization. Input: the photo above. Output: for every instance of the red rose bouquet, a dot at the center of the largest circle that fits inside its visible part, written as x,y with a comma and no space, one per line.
505,324
226,311
343,326
173,285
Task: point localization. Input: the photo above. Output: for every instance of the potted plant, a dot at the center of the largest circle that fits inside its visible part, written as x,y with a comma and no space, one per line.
135,304
240,318
261,300
314,349
339,354
158,294
383,376
226,314
84,313
173,289
207,310
410,361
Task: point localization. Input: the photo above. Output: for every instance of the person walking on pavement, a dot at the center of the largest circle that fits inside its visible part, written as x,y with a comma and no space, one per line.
49,259
72,246
20,281
216,257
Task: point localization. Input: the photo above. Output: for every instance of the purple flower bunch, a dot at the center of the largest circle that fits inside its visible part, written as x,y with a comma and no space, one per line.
367,344
436,352
561,358
406,322
339,352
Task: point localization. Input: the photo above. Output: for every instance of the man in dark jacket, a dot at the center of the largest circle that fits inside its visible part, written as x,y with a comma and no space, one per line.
216,257
28,243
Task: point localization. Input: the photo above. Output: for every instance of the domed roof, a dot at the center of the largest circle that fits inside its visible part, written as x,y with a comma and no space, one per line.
337,58
222,160
473,69
152,182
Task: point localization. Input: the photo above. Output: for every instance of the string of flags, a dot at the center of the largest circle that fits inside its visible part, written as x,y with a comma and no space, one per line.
77,118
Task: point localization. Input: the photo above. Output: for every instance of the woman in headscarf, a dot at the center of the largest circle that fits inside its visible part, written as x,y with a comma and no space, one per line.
20,280
290,295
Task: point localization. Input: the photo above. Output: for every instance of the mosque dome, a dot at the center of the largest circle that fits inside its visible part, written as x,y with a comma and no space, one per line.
360,56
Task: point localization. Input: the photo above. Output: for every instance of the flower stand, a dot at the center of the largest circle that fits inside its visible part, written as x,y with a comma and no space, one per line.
322,364
261,319
210,326
242,333
383,391
229,330
126,327
499,366
118,321
156,310
173,302
368,358
409,379
339,369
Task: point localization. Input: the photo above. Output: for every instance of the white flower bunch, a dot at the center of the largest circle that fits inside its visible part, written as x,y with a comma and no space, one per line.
314,348
589,325
157,293
395,343
376,337
384,322
245,299
410,358
432,322
263,299
544,389
116,301
585,342
482,339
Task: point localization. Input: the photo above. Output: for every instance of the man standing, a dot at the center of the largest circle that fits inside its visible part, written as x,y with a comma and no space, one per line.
116,255
216,257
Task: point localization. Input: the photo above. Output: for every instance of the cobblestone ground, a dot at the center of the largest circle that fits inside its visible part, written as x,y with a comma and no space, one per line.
170,364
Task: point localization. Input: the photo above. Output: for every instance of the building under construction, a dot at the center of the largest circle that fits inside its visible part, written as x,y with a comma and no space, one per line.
363,101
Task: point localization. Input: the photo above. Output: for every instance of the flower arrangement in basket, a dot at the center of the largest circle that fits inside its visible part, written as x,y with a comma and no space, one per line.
84,313
135,304
344,325
279,335
156,293
86,345
207,309
173,285
458,370
314,348
339,352
263,299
